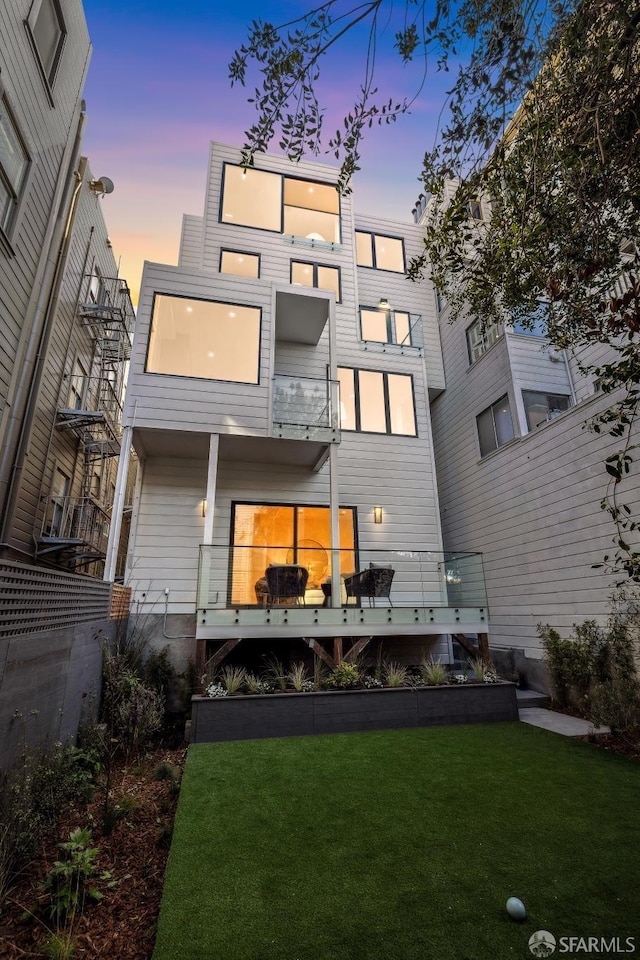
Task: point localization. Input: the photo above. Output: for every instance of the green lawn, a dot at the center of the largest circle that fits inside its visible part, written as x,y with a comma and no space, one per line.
401,845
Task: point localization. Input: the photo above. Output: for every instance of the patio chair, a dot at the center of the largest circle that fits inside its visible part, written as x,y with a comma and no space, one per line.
371,583
286,583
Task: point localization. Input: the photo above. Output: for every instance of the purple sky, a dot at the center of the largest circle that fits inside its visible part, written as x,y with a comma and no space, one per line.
158,93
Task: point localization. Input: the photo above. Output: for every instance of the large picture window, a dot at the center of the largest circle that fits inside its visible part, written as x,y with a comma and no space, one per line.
380,252
264,534
14,162
47,32
204,338
495,426
372,401
270,201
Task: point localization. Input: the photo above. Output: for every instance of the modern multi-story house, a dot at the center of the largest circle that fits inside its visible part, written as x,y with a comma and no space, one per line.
66,321
521,476
278,401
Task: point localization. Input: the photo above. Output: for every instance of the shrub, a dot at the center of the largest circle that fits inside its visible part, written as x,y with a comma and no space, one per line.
433,672
159,674
344,676
33,796
66,882
571,663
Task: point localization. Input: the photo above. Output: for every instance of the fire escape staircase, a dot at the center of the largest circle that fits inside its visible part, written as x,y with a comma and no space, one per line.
75,529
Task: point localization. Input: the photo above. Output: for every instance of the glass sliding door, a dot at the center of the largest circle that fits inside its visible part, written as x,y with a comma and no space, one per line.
262,534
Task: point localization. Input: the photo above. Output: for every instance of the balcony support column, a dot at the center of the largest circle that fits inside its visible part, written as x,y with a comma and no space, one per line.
115,526
212,480
336,597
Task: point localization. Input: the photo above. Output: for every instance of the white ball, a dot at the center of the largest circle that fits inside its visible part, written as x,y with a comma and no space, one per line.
516,909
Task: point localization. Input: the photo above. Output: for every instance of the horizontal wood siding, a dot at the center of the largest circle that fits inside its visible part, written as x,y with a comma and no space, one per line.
48,133
70,340
190,254
533,506
176,403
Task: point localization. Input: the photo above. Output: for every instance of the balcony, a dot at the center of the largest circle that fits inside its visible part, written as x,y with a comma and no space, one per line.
418,592
75,531
93,414
306,409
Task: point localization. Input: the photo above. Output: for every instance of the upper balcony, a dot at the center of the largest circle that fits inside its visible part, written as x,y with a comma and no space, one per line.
302,315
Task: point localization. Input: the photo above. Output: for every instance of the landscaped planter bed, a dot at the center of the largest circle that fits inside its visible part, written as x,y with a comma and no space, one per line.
344,711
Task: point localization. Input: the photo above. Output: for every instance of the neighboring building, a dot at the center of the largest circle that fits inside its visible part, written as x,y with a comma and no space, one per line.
66,322
521,476
278,401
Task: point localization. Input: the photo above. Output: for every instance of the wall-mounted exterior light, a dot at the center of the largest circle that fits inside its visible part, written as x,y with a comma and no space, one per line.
377,514
204,507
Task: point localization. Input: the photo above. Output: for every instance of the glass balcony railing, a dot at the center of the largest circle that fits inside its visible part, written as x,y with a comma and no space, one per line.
306,409
240,576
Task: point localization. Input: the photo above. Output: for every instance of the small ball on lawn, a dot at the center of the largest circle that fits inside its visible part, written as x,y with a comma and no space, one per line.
516,909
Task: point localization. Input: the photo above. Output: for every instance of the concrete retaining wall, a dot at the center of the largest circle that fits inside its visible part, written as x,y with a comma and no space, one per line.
48,682
301,714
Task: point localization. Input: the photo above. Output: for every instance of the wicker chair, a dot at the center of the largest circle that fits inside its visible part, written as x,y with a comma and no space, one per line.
286,583
371,583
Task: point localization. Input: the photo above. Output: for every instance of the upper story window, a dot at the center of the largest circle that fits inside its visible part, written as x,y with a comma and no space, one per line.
14,163
475,209
383,325
306,274
480,336
380,252
271,201
47,32
541,407
204,338
239,263
495,426
375,402
535,323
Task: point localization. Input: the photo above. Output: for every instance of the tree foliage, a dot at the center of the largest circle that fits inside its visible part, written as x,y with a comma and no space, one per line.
542,122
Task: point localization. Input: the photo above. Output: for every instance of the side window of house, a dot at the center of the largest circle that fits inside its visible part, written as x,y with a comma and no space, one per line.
309,274
240,263
96,286
58,508
495,426
78,386
380,252
383,325
372,401
205,339
542,407
480,336
14,163
47,33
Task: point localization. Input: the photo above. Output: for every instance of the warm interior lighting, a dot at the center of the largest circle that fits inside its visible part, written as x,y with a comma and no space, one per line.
377,514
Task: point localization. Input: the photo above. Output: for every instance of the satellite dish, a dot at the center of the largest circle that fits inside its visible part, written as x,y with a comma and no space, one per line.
102,186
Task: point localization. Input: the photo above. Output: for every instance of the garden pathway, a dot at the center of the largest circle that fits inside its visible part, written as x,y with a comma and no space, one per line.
539,716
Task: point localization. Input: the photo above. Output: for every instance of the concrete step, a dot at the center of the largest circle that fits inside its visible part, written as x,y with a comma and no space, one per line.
531,698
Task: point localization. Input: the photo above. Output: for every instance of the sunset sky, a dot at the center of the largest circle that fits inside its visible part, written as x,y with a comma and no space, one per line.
158,92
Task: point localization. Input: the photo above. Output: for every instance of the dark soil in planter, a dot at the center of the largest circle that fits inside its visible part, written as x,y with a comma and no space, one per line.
123,924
